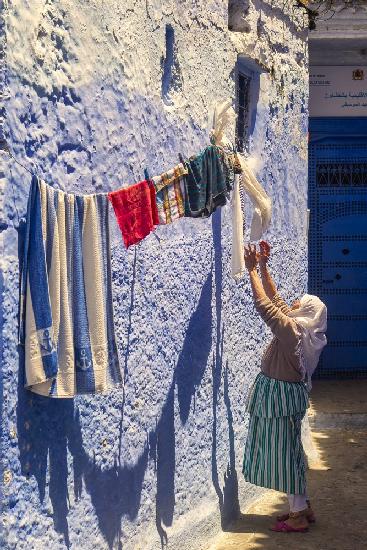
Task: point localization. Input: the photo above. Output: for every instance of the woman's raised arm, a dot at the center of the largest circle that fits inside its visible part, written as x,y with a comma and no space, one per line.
251,262
267,280
282,326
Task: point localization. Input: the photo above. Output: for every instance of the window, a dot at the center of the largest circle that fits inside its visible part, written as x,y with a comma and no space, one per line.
247,73
243,110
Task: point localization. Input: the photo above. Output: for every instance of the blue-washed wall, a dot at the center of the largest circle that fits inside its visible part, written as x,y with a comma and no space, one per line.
94,93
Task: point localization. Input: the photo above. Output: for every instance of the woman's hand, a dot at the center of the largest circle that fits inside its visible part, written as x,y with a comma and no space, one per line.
264,255
267,280
251,257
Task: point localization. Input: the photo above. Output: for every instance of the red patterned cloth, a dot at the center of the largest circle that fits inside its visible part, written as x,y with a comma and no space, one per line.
136,211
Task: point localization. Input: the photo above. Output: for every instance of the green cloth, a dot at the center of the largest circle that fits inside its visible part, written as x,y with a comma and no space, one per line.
207,182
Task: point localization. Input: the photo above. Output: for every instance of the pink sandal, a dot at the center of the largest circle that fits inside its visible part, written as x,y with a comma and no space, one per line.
310,517
282,527
309,514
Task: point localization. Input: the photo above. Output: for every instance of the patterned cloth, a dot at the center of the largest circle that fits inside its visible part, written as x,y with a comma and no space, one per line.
136,211
171,194
67,325
274,456
207,183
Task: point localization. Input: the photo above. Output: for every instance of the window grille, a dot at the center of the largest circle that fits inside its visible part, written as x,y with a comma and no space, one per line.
340,174
243,104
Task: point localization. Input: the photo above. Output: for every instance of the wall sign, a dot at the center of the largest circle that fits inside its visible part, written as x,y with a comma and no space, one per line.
338,91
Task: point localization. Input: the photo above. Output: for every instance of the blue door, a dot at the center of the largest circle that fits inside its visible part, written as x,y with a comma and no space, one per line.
338,239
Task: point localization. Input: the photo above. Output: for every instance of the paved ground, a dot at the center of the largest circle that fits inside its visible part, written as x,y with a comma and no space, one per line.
337,481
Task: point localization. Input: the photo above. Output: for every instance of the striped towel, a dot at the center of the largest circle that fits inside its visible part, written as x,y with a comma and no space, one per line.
171,191
66,295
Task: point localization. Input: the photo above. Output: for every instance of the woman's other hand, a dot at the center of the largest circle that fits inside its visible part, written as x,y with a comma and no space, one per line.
251,257
264,255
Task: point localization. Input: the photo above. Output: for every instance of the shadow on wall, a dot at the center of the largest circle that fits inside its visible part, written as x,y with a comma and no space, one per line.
49,428
228,496
188,374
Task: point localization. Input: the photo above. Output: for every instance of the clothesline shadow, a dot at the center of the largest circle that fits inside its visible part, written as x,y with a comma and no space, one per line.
50,429
188,374
127,350
47,430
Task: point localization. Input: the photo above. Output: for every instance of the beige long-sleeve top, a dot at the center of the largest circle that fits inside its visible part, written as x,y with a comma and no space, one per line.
281,359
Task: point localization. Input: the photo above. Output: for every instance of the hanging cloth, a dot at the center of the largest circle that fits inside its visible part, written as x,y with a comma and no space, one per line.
238,260
171,194
207,183
223,119
247,182
66,317
136,211
260,200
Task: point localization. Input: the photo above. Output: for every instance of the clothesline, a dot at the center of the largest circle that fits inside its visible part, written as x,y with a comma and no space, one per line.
171,195
6,149
66,311
194,188
17,162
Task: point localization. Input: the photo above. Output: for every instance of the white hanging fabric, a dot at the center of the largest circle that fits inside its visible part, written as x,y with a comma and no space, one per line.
260,200
238,260
223,117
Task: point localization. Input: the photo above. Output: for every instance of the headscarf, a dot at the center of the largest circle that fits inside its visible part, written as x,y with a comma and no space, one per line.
311,318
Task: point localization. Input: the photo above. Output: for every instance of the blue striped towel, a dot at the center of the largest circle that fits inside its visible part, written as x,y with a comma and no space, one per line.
66,318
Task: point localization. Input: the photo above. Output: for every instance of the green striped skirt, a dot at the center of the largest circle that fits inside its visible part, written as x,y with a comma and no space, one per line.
274,456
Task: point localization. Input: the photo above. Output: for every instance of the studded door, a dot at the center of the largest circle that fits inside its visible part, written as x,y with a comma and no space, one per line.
338,240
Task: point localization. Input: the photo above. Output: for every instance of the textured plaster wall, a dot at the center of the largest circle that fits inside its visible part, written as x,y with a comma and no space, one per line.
91,98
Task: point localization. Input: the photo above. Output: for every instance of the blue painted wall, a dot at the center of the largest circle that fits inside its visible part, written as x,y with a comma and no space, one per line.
94,94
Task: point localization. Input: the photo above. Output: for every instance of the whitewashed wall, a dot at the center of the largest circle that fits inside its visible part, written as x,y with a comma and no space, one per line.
90,102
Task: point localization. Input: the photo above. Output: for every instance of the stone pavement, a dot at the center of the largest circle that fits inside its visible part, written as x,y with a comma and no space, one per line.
337,480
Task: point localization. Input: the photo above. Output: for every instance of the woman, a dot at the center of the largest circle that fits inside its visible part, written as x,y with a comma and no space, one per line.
274,456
